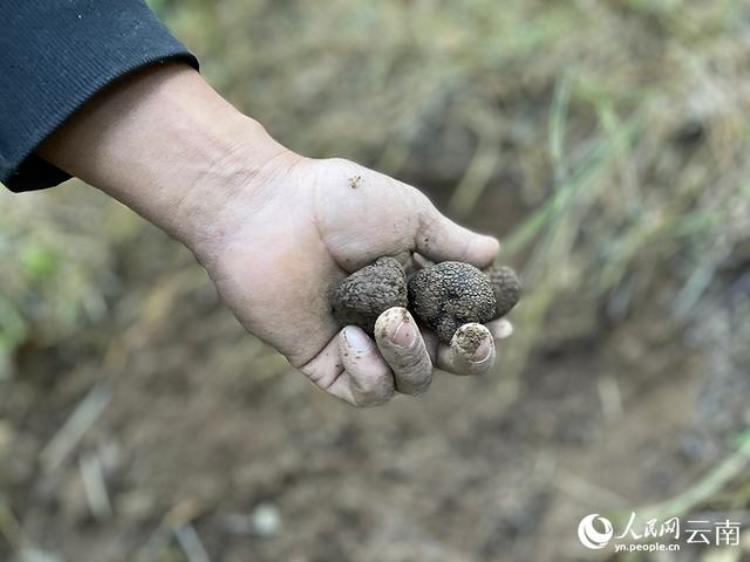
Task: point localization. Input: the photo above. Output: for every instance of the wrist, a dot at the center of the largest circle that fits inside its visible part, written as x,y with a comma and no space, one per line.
222,166
164,143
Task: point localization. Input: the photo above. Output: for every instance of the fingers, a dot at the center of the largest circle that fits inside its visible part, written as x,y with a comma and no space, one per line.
370,378
441,239
471,351
500,329
403,348
351,368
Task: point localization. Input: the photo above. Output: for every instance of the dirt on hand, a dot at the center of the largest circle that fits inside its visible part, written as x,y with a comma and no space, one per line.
443,297
470,338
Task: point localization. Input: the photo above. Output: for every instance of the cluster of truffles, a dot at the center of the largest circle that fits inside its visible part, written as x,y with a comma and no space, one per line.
442,297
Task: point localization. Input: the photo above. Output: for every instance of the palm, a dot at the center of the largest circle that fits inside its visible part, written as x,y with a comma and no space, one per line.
310,224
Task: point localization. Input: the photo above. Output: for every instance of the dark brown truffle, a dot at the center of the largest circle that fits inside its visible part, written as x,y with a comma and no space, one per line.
507,289
363,296
450,294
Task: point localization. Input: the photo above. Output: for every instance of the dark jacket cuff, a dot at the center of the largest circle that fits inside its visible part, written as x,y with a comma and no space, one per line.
54,56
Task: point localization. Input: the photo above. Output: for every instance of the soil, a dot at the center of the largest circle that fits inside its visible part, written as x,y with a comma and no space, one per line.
207,436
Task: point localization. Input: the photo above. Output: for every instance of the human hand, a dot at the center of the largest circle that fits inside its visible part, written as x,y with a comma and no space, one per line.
275,230
298,227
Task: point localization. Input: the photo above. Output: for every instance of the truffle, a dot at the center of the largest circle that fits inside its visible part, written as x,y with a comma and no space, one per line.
507,289
450,294
360,298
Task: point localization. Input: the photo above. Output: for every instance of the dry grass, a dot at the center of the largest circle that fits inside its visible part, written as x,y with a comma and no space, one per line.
624,125
625,121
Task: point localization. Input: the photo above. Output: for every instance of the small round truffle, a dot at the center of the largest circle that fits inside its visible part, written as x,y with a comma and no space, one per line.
450,294
363,296
507,289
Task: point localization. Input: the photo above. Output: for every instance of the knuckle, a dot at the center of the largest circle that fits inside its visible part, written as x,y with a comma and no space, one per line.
369,399
341,165
429,217
415,386
411,362
374,391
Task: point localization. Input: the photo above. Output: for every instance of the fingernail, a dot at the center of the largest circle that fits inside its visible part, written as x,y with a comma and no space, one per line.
405,334
504,329
482,352
475,342
358,340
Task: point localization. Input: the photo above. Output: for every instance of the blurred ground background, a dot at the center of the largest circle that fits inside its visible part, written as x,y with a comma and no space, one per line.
606,141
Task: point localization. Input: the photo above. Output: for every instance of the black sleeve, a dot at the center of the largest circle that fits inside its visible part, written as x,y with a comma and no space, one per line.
54,56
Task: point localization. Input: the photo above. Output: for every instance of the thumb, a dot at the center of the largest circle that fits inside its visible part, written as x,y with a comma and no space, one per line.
441,239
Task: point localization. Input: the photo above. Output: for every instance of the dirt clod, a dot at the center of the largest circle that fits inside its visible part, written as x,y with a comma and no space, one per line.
360,298
450,294
507,289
